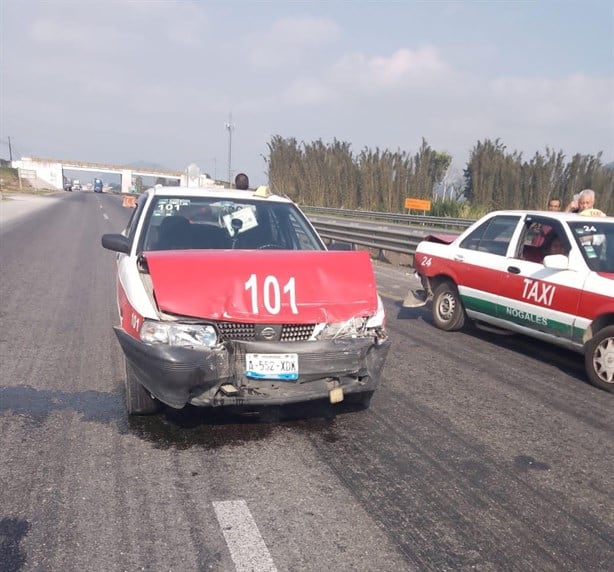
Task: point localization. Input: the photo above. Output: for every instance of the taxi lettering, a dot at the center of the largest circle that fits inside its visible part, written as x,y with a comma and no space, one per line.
538,292
527,316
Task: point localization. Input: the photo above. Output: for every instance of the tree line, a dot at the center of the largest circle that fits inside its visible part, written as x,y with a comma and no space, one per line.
332,175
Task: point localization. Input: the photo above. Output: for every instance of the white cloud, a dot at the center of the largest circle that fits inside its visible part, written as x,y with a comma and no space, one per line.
553,101
308,92
379,73
291,40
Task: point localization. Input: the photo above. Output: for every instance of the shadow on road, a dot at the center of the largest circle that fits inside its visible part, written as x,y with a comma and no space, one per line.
211,429
37,404
12,532
178,428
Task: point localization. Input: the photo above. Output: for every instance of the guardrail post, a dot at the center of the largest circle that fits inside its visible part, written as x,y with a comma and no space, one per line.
381,255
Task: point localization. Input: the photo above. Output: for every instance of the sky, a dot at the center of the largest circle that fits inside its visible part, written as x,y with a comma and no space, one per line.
125,81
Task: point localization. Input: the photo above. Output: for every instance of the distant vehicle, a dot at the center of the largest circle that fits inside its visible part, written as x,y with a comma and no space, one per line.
98,185
67,186
76,185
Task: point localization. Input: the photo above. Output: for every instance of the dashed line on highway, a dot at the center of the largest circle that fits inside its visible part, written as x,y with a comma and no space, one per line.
247,548
106,217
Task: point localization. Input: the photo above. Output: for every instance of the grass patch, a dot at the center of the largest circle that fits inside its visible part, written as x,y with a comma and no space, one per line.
9,184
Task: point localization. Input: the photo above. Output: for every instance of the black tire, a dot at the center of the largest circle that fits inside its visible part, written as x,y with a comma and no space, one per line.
138,400
447,309
599,359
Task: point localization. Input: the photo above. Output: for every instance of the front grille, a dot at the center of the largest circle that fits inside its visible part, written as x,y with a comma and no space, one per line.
296,332
247,332
236,331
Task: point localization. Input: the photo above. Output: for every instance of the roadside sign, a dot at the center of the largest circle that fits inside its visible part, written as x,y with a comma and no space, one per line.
27,173
418,204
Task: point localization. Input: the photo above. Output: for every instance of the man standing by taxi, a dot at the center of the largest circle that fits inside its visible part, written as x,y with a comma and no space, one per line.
584,204
554,204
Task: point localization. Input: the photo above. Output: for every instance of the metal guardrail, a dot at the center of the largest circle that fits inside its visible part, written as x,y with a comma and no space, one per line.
398,218
364,228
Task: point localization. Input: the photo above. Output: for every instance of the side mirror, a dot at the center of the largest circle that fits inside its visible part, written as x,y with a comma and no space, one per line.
556,262
340,246
116,243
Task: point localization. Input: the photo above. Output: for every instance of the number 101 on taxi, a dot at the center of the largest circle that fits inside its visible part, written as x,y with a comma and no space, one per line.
272,366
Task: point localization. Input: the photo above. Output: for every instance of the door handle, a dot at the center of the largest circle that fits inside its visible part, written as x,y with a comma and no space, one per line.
513,269
459,257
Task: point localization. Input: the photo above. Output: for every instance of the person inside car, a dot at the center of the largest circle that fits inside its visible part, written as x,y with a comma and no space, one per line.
554,245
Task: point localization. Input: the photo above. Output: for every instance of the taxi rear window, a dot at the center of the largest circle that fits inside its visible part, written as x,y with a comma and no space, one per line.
492,236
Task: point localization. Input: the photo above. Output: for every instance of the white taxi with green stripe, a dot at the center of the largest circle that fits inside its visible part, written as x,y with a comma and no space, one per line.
542,274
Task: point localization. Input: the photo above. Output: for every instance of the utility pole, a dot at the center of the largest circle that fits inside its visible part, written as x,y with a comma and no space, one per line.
230,126
10,150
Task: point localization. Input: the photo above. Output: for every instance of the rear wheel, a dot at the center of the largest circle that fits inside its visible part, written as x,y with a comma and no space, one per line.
447,309
138,400
599,359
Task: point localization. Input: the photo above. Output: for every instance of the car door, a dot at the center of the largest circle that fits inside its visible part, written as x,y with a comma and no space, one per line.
131,308
480,264
539,298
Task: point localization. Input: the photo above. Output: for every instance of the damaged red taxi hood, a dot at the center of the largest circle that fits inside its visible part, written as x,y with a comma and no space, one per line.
267,286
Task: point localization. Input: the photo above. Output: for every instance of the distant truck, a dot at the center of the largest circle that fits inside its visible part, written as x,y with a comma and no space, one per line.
76,185
98,185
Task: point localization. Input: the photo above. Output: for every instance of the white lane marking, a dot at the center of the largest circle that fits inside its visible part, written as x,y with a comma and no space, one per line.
247,548
105,216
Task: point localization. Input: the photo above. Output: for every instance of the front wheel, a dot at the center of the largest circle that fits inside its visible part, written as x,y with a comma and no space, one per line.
447,309
138,400
599,359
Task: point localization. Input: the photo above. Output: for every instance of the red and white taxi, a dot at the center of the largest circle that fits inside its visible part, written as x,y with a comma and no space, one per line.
546,275
230,297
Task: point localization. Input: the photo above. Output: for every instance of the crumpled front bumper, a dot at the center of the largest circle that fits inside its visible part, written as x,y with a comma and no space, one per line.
419,296
177,376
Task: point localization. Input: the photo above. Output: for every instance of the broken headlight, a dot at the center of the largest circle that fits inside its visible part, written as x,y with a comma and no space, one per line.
357,326
378,320
177,334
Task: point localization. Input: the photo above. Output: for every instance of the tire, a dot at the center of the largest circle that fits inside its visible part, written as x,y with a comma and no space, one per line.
138,400
599,359
447,309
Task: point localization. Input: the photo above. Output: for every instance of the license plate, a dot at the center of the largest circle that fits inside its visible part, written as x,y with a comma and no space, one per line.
272,366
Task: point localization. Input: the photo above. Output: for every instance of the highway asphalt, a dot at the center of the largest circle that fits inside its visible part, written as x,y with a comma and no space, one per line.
479,452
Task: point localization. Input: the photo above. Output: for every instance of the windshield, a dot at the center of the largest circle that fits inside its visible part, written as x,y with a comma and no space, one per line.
185,223
596,241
